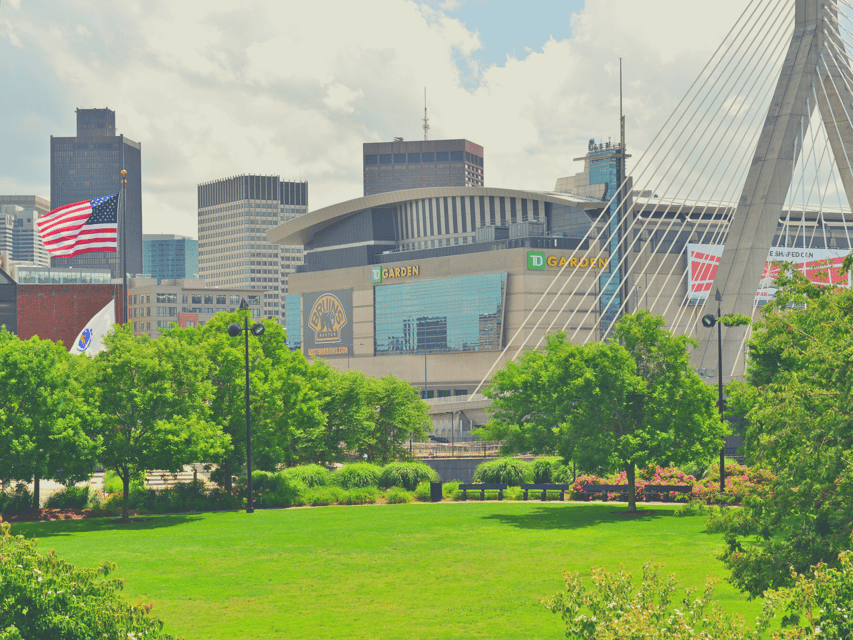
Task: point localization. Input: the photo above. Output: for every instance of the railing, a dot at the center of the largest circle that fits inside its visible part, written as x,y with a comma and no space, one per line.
473,449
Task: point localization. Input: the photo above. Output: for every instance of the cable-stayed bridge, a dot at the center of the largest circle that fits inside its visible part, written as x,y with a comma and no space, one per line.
753,165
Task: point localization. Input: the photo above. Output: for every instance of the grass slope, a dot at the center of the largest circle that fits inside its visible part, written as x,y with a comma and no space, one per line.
447,570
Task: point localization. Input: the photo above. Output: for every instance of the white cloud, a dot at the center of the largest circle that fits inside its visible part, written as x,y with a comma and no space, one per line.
215,88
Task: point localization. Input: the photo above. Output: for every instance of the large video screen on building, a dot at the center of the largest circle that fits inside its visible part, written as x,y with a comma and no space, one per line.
821,266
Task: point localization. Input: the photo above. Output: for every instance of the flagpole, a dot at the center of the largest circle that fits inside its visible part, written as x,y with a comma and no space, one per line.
123,199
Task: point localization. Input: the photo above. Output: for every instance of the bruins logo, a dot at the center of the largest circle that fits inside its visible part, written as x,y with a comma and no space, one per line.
327,319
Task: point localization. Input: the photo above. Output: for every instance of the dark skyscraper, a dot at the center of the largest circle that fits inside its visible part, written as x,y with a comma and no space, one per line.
88,166
393,166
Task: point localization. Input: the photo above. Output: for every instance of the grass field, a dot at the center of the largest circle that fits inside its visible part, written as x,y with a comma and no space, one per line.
448,570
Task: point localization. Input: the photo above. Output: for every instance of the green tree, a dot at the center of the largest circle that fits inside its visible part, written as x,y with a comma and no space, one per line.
46,598
41,414
397,415
796,402
344,404
151,403
284,405
628,402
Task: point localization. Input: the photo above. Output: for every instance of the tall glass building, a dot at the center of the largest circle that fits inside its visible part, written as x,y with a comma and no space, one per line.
169,257
234,215
88,166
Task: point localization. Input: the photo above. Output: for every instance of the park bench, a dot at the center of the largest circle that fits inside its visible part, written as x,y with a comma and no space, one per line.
589,490
482,488
544,488
664,491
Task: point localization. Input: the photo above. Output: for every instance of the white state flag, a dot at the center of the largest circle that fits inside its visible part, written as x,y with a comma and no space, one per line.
91,338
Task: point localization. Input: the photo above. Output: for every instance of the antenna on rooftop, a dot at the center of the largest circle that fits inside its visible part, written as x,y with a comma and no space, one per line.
426,119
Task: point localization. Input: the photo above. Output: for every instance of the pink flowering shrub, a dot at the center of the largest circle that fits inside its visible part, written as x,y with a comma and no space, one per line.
740,481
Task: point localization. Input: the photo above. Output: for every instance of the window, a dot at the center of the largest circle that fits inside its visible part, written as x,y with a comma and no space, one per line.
414,157
384,158
254,300
184,299
371,159
220,299
441,156
196,299
233,299
428,157
161,297
208,299
172,298
399,158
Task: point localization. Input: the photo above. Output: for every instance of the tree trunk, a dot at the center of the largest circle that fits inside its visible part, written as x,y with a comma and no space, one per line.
125,512
36,492
632,493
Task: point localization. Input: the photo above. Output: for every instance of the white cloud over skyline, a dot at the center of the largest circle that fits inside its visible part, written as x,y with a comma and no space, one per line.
213,89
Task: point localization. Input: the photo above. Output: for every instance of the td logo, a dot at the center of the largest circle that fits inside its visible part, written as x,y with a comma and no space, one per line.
536,260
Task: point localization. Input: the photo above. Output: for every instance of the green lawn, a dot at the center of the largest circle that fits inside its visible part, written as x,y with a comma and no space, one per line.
448,570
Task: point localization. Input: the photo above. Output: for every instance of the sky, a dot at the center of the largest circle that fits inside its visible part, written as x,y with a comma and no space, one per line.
216,88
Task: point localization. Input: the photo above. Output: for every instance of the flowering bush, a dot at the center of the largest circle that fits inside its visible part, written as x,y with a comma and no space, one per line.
650,475
741,481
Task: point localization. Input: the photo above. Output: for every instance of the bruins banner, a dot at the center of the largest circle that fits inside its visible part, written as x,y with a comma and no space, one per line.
327,323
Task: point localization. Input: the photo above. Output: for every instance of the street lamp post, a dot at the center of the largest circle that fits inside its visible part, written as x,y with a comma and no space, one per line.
709,321
235,330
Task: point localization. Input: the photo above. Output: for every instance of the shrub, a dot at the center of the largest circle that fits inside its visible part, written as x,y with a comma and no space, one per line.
510,471
423,492
741,481
70,498
18,500
46,597
357,475
450,489
511,493
692,508
364,495
407,475
271,490
318,497
311,475
398,495
545,470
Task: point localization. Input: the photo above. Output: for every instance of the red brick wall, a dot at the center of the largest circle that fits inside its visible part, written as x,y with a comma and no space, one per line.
60,311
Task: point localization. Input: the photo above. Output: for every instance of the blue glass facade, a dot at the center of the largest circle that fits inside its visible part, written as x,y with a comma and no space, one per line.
293,320
604,169
440,316
168,257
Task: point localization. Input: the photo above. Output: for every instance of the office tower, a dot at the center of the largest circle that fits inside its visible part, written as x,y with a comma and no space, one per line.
170,257
233,217
398,165
88,166
19,235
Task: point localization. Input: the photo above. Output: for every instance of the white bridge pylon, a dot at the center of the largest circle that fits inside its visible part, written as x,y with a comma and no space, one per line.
815,75
726,170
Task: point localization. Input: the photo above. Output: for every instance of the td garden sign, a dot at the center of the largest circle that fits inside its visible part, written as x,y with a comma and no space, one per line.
539,261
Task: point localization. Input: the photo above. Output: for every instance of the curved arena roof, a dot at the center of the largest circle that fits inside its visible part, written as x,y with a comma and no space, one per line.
301,230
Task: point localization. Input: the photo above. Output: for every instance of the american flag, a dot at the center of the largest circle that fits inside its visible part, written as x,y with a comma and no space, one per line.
82,227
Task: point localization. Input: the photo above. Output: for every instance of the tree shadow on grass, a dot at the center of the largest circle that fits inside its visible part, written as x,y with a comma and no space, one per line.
57,528
571,516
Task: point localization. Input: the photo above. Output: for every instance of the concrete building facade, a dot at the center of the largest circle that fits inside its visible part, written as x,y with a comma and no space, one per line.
234,215
88,166
415,164
153,306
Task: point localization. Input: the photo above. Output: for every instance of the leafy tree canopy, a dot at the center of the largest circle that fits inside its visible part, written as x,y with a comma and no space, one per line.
796,400
631,401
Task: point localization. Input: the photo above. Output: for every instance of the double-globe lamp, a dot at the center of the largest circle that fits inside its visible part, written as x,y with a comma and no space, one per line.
235,330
